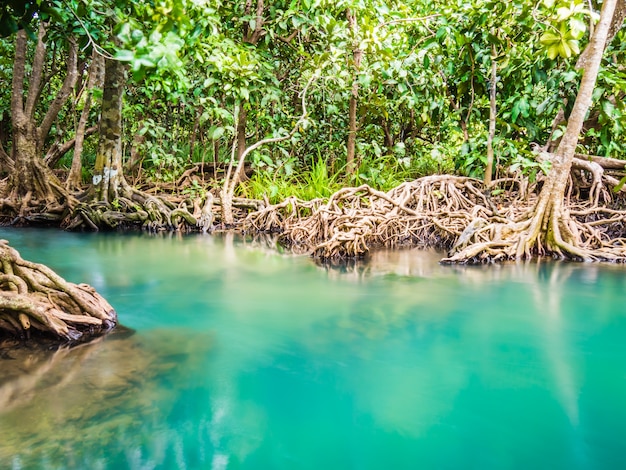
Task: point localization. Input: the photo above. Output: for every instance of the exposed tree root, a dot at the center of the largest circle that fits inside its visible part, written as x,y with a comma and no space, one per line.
431,211
148,212
33,297
582,230
456,214
155,212
34,196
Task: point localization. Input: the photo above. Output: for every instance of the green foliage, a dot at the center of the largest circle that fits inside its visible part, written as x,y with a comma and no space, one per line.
423,83
307,184
530,167
566,27
318,182
15,15
194,190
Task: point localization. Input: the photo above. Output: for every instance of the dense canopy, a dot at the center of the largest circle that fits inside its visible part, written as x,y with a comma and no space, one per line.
491,129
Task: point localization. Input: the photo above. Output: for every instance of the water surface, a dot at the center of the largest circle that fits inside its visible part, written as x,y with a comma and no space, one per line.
246,358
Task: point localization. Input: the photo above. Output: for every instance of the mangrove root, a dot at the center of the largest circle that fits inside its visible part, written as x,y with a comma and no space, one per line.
33,297
475,224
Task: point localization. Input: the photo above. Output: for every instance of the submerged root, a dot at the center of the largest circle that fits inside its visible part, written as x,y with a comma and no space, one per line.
33,297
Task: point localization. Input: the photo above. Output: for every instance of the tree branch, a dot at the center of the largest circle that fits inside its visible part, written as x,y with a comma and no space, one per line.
605,162
35,83
56,151
258,29
64,92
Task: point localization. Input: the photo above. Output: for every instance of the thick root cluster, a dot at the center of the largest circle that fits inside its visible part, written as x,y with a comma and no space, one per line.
585,233
507,222
32,194
145,211
431,211
33,297
590,228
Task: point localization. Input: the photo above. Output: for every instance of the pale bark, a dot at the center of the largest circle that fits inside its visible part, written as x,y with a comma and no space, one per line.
492,117
357,56
35,82
550,222
107,175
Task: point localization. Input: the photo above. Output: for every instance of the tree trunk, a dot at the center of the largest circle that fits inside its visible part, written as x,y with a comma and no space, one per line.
32,184
357,56
108,175
6,162
242,122
95,80
492,117
549,229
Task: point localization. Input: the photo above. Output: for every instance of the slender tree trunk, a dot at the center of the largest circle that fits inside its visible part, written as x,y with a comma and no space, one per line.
492,117
388,135
357,56
242,122
6,162
108,176
550,226
194,132
95,80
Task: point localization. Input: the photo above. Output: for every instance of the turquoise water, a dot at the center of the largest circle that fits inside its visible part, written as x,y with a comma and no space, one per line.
245,358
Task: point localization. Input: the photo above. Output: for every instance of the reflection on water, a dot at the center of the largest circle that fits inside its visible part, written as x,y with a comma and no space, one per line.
245,358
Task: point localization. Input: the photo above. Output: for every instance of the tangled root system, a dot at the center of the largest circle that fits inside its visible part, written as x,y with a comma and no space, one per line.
33,297
452,213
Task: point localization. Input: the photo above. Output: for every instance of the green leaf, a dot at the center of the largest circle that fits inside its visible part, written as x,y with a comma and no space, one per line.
608,107
515,112
125,55
215,132
549,38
